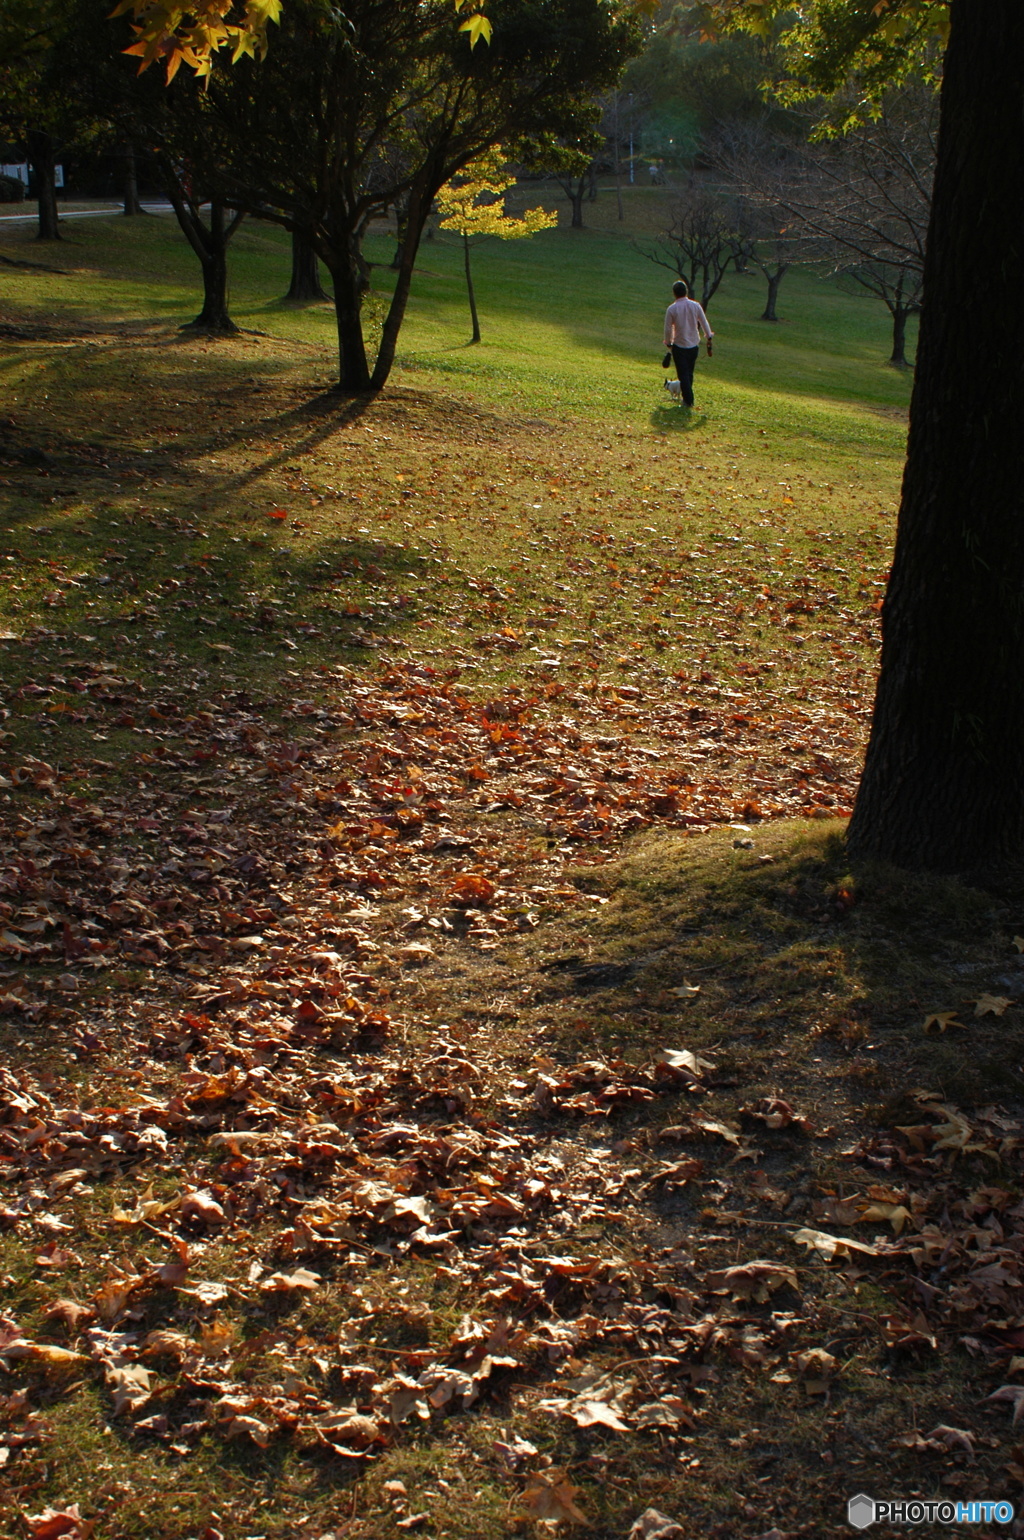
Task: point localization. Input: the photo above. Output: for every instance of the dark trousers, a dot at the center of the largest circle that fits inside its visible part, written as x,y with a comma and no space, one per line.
684,359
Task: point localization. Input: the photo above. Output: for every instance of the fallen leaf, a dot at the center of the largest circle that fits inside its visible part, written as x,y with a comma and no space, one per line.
1015,1395
682,1064
301,1280
592,1414
549,1496
942,1020
953,1438
991,1005
894,1214
751,1280
831,1246
54,1522
45,1353
470,891
653,1525
129,1386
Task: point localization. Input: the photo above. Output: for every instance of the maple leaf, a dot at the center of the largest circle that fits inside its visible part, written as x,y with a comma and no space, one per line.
894,1214
549,1496
46,1354
991,1005
592,1414
942,1020
254,1428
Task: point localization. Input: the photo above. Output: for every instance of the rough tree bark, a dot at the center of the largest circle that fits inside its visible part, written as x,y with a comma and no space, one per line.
42,157
943,784
305,287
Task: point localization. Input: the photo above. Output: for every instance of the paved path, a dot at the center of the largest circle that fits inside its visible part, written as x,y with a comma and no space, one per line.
114,209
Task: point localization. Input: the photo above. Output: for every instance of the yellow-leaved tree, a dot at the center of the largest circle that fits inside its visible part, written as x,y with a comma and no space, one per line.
473,205
190,32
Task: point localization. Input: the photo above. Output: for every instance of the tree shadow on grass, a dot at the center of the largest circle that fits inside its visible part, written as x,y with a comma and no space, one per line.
804,960
675,419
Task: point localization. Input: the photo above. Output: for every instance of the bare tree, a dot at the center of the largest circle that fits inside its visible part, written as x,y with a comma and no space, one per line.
762,168
701,242
864,200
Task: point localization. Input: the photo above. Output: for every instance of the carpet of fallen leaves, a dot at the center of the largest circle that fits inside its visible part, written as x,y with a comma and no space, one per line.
274,1102
284,1178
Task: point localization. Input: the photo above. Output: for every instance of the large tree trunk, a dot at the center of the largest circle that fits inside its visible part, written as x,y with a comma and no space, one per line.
576,195
774,280
131,183
470,291
943,785
42,155
349,285
305,287
214,315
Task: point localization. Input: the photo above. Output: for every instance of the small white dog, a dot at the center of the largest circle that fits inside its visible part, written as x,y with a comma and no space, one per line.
674,389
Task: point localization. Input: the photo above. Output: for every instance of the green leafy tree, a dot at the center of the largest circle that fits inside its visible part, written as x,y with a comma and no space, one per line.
943,787
473,205
392,106
37,113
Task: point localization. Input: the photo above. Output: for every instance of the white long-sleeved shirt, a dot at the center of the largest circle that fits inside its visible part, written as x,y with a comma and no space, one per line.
684,322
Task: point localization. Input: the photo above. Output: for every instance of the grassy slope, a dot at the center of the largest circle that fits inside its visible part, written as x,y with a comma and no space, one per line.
545,463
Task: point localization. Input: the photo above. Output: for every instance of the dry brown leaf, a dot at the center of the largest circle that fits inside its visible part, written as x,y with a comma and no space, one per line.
1015,1395
831,1246
129,1386
53,1523
593,1414
669,1412
285,1283
755,1280
991,1005
654,1525
245,1426
44,1353
682,1063
942,1020
549,1496
894,1214
953,1438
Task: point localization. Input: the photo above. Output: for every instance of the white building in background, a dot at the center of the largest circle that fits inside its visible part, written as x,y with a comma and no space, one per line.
20,173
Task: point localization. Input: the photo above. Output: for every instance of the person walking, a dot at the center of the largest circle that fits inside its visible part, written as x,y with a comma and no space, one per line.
684,322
